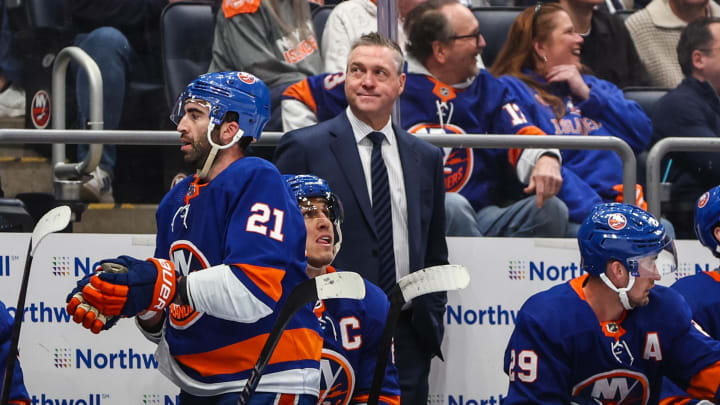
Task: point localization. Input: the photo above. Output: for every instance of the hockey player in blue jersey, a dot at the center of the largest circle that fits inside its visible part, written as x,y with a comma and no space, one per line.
702,290
445,92
229,249
18,393
608,336
352,328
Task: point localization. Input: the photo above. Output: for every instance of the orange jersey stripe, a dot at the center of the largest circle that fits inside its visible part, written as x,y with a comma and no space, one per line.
674,401
714,274
294,344
301,92
19,402
514,154
384,399
704,385
268,279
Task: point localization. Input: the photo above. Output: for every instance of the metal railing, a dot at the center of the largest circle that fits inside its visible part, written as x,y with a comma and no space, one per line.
74,171
10,136
654,160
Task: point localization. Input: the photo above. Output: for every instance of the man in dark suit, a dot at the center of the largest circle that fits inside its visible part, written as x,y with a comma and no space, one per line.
346,151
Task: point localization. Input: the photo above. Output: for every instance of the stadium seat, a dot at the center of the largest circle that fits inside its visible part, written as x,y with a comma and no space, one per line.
494,23
14,216
319,18
187,37
645,96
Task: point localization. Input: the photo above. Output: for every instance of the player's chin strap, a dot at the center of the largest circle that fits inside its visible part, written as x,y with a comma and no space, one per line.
338,243
214,148
622,292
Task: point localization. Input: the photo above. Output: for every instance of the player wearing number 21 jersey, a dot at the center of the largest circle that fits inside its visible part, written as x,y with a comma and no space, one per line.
609,337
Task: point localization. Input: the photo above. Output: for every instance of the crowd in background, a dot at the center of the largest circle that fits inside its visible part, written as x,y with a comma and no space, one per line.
276,40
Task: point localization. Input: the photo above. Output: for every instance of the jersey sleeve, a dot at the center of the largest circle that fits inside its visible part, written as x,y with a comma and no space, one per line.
535,364
375,314
18,393
263,256
313,99
623,118
693,357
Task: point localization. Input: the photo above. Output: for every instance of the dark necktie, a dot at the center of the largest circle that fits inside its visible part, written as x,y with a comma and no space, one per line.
383,214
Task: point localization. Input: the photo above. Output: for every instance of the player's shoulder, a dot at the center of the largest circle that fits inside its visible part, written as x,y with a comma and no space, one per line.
667,306
543,306
693,281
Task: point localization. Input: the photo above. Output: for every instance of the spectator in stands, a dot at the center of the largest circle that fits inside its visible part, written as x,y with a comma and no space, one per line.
540,62
607,49
272,39
446,93
692,110
12,96
391,185
122,38
347,22
656,30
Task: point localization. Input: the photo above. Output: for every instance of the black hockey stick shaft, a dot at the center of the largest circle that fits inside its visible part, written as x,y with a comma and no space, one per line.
15,339
396,303
303,294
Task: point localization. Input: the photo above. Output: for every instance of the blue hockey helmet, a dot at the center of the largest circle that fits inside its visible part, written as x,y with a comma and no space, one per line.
626,233
306,186
707,217
222,92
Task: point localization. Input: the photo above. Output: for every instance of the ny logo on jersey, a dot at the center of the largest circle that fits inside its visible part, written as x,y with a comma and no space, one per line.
615,387
337,379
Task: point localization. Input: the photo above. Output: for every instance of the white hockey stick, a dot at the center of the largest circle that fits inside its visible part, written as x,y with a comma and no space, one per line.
54,220
429,280
341,284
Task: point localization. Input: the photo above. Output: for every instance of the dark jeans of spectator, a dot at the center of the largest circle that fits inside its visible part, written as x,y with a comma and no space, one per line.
10,66
114,56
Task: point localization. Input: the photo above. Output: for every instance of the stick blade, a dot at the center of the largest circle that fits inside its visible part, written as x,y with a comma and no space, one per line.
447,277
54,220
340,284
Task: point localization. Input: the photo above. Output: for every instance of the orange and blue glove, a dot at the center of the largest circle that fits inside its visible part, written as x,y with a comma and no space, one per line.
84,313
147,285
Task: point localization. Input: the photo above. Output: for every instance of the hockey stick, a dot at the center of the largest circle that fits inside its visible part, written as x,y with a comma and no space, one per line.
54,220
429,280
342,284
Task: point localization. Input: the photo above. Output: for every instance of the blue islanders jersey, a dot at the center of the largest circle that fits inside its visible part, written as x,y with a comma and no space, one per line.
702,293
352,330
552,357
18,393
246,219
588,175
483,176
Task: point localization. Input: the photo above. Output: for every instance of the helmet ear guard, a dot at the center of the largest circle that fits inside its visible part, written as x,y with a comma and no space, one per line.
707,217
223,92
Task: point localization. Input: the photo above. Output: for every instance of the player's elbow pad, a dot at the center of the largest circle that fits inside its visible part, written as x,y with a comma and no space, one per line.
218,292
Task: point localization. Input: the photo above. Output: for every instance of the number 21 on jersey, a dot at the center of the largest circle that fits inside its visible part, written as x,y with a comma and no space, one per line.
258,221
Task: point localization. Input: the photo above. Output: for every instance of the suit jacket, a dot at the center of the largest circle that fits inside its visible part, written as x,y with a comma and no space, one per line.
329,150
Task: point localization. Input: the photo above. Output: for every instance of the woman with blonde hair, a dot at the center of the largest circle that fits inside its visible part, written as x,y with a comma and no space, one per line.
540,63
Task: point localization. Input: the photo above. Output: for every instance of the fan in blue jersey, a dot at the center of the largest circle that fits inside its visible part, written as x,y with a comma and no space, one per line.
540,64
445,92
229,249
608,336
702,290
352,328
18,393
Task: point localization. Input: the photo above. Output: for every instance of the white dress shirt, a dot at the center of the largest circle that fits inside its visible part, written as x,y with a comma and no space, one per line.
398,202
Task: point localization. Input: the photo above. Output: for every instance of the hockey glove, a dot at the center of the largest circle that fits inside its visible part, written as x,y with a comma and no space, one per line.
146,285
84,313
